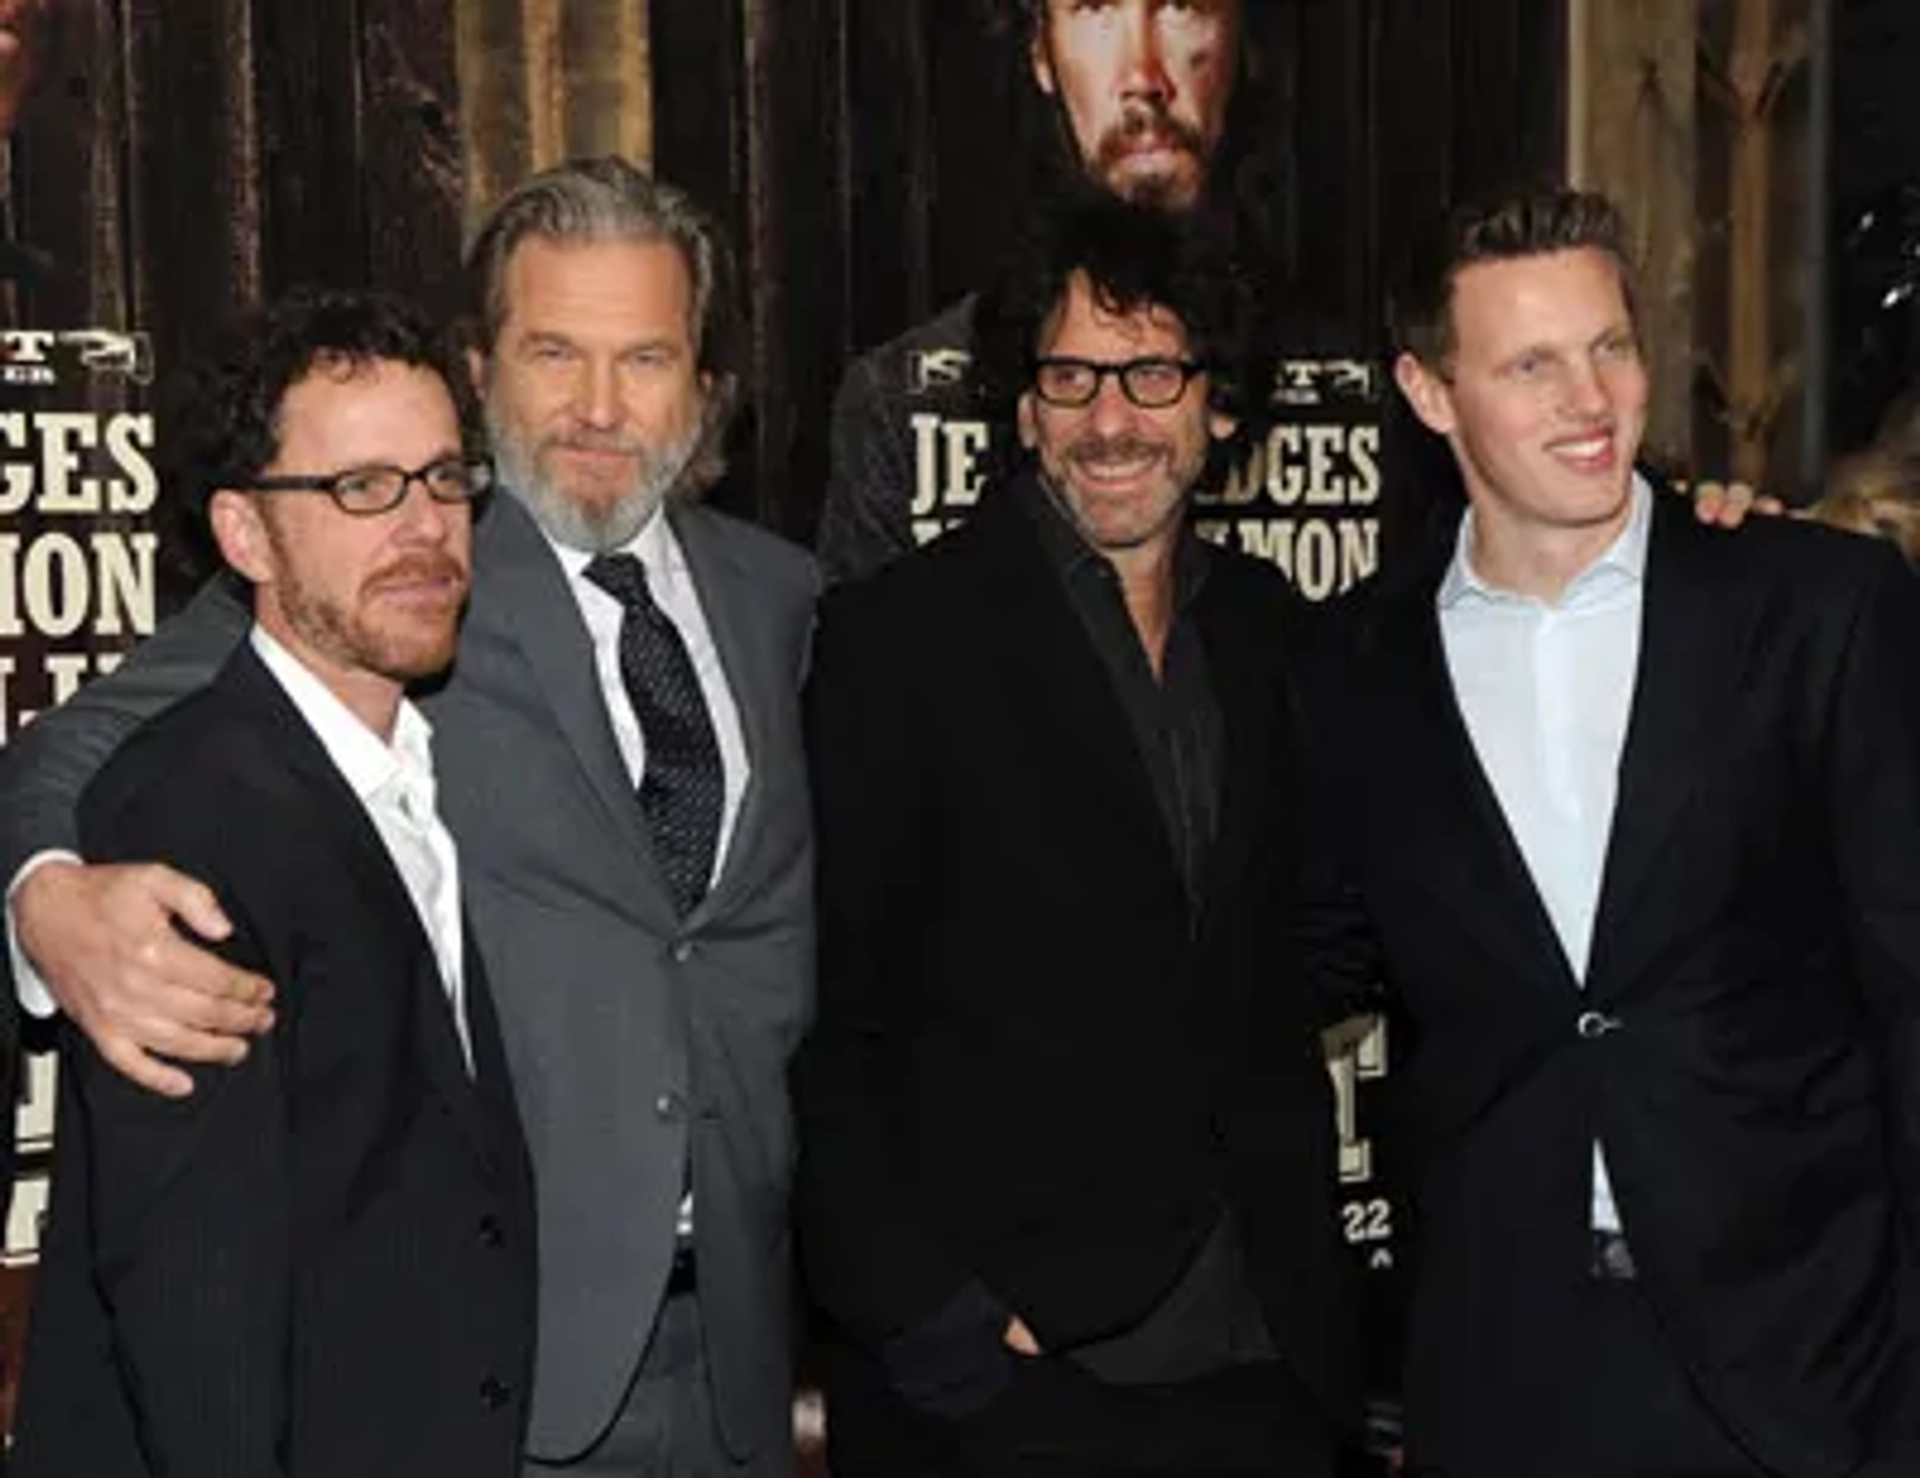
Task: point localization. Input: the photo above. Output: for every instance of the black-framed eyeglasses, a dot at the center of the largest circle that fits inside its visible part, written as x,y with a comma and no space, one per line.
1152,383
366,491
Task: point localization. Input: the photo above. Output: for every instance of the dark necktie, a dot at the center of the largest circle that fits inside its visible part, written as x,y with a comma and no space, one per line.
682,785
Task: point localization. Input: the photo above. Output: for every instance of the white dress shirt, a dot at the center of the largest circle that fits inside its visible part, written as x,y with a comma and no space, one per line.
1546,690
394,782
671,586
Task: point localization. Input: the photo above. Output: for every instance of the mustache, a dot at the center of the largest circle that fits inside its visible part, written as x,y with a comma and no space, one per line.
1127,447
1146,120
588,440
418,568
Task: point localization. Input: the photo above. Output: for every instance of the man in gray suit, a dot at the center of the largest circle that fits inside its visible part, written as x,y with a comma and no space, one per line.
620,763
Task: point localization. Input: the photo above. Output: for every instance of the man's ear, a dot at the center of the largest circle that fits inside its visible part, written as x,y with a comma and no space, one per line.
1222,425
241,535
1041,56
1023,415
477,371
1428,394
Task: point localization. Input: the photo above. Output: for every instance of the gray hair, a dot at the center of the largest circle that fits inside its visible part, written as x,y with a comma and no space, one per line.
606,198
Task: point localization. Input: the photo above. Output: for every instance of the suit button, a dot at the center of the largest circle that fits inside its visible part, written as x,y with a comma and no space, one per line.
682,951
1593,1025
491,1234
494,1393
670,1106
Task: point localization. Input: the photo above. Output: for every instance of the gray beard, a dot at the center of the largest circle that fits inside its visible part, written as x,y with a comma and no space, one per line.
590,530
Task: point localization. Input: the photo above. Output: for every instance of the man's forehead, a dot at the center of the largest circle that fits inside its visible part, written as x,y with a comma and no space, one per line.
607,282
353,407
1516,297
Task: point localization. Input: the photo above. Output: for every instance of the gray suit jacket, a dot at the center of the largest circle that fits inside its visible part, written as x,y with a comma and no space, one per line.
635,1038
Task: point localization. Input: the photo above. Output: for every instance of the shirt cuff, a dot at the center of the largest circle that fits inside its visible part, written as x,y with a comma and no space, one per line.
34,997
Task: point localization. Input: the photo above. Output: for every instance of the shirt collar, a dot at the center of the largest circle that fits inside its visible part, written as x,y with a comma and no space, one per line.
368,762
1624,561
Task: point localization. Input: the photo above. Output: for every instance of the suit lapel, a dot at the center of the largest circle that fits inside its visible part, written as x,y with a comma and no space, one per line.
1468,854
522,576
1696,627
377,882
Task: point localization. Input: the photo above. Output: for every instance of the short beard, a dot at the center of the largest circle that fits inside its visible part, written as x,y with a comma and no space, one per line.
594,529
1170,191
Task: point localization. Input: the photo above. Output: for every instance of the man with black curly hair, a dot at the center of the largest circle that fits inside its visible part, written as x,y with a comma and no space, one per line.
1067,1140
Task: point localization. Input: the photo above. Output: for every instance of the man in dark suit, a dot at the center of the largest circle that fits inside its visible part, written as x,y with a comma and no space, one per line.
312,1264
621,766
1067,1133
1628,812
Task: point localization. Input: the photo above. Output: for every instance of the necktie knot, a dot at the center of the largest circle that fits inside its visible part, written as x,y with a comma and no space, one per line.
682,783
624,578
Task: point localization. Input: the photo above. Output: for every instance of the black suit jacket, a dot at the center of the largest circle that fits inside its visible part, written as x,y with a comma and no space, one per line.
1756,957
1031,1068
322,1262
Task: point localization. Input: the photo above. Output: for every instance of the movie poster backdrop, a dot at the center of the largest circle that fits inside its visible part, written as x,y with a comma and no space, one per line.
171,164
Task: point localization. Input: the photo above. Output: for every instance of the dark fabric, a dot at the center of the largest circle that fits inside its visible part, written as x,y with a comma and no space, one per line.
1758,941
1174,715
682,785
1032,1066
955,1361
323,1261
1207,1322
1623,1404
1053,1420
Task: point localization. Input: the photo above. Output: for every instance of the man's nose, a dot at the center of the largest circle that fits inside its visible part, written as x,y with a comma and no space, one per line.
596,397
1143,70
1110,410
423,518
1585,394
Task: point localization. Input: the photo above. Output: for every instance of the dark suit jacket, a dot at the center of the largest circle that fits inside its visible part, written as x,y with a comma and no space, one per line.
321,1262
1757,950
1031,1069
638,1039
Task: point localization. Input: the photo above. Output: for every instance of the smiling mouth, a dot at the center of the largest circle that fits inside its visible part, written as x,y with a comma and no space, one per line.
1119,470
1587,453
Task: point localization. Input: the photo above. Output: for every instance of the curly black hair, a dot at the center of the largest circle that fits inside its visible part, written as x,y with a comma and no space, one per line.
1132,256
222,422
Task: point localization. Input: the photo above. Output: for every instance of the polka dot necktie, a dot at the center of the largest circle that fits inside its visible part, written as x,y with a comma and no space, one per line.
681,785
